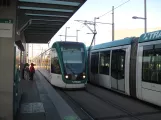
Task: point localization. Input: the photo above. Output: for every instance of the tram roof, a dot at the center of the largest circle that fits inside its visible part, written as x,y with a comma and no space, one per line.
40,20
59,42
151,36
125,41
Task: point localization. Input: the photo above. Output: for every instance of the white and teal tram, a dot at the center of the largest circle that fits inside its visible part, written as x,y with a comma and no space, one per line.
64,65
131,66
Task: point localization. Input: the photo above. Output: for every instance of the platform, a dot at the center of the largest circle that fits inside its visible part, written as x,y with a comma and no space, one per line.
40,101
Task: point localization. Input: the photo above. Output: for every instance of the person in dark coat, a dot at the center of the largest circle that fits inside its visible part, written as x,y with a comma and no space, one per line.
25,65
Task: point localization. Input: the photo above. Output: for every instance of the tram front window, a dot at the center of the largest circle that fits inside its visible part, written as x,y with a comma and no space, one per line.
73,58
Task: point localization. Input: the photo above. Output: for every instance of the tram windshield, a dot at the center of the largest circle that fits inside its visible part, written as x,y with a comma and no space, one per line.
73,58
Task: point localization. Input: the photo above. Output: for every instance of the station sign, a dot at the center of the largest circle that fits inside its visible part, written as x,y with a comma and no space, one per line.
6,28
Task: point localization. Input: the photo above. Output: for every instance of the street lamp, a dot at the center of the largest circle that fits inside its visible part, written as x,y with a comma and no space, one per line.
66,33
135,17
145,16
77,35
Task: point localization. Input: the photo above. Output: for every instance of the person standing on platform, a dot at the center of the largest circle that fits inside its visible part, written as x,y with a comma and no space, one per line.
23,70
26,72
32,71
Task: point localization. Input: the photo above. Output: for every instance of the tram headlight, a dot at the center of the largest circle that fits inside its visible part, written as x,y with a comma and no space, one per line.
84,76
66,76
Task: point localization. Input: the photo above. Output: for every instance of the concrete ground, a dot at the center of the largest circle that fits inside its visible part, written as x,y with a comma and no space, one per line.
39,101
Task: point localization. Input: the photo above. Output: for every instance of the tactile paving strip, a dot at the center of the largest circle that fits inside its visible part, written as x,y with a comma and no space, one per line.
36,107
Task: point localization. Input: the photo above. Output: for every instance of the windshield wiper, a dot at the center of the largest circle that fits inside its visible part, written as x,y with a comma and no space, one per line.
67,66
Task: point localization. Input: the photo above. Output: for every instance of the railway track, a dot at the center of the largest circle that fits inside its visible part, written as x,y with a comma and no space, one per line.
80,106
95,106
114,105
89,114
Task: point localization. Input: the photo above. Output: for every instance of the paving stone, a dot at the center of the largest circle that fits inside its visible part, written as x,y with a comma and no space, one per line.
32,108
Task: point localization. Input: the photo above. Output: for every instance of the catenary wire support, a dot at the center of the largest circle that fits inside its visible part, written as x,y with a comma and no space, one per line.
113,25
93,31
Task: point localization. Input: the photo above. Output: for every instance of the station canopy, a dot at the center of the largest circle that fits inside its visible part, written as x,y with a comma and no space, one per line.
40,20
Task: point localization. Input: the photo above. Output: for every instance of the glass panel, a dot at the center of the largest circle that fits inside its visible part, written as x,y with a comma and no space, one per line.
47,60
147,65
121,64
151,70
157,46
55,67
42,61
118,64
73,57
104,62
148,47
157,65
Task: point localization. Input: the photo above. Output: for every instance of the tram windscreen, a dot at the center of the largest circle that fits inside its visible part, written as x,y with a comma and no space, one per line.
73,58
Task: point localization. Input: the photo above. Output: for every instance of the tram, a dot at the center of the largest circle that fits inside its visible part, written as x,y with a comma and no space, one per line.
64,64
131,66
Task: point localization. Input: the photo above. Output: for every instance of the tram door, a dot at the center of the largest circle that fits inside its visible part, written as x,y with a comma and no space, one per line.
118,70
94,67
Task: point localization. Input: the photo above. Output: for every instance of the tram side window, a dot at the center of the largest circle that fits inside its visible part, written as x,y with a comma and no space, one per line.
118,64
48,61
158,64
151,66
55,67
43,60
121,63
104,62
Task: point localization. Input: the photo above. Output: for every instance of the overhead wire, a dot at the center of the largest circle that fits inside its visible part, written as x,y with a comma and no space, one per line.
114,9
81,27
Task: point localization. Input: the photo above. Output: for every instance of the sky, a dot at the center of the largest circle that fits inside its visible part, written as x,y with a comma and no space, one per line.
125,26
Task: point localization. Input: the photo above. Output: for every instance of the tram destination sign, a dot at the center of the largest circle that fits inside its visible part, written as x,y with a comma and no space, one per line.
6,28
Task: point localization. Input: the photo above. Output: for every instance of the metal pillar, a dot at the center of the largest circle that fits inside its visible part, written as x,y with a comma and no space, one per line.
113,23
8,79
77,35
66,33
94,30
145,16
